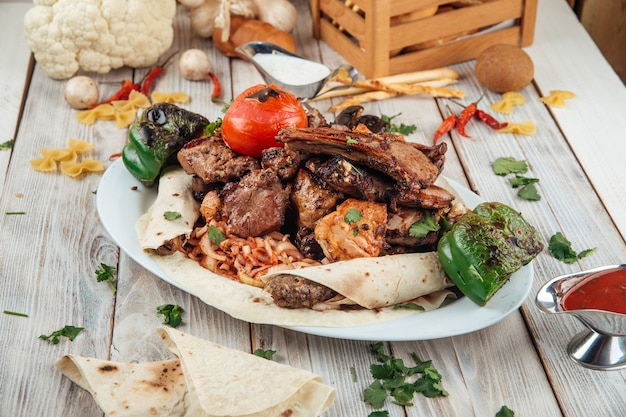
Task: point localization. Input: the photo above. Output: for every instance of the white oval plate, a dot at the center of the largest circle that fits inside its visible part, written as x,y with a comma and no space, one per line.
121,200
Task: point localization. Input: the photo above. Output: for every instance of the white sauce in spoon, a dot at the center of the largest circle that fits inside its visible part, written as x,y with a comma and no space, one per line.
291,70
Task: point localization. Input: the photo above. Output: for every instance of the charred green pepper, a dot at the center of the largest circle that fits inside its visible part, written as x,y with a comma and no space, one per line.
485,247
153,141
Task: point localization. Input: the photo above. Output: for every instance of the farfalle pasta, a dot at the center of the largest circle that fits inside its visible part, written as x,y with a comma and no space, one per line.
176,97
68,159
524,128
557,98
509,100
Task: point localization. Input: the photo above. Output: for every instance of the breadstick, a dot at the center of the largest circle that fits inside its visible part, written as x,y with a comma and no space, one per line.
406,78
395,90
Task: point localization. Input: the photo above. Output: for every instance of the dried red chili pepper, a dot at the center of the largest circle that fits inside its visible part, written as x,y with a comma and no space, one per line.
445,127
216,95
148,80
122,94
464,118
489,120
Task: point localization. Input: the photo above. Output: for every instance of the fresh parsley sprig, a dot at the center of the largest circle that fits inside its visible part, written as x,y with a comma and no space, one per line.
561,249
392,378
172,314
395,128
106,273
264,353
68,331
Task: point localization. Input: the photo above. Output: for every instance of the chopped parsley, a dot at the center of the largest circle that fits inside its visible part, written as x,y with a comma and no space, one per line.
214,126
424,226
561,249
215,235
393,379
5,146
106,273
68,331
172,215
263,353
509,165
171,314
401,128
352,216
351,141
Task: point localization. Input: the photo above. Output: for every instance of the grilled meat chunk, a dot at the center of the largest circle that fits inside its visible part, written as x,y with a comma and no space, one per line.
403,162
213,161
311,199
307,244
355,230
341,175
399,224
256,205
281,160
436,153
432,197
290,291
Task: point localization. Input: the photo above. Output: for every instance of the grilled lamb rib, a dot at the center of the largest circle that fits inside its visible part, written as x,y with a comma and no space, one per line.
407,165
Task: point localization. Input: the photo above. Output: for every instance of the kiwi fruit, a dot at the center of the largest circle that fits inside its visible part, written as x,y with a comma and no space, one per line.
503,67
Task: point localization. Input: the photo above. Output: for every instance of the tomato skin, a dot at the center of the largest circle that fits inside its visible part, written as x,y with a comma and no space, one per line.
255,117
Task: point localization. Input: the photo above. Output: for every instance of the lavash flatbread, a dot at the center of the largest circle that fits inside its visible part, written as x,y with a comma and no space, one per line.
205,380
376,284
174,196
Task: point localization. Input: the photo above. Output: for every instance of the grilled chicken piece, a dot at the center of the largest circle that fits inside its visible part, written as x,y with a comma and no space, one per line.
311,200
355,230
211,206
407,165
290,291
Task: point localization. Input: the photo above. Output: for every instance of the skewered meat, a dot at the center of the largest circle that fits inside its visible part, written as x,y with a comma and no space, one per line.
403,162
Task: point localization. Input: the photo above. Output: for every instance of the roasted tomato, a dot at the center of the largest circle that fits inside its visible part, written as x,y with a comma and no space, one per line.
257,115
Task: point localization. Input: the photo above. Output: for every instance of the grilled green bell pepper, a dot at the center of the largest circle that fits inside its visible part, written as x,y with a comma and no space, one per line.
153,141
485,247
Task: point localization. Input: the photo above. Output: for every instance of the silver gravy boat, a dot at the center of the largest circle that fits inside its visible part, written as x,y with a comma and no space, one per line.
305,91
602,346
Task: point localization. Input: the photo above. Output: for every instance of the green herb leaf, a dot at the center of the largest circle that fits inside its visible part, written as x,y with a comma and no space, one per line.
410,306
213,126
529,192
352,216
381,413
375,395
391,379
171,314
509,165
353,373
106,273
265,354
505,412
172,215
215,235
561,249
5,146
401,129
351,141
68,331
13,313
520,180
424,226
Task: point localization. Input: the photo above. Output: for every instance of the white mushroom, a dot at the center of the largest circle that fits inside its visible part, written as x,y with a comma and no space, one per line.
81,92
194,65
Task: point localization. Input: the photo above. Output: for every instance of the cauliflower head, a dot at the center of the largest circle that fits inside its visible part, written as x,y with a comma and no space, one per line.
98,35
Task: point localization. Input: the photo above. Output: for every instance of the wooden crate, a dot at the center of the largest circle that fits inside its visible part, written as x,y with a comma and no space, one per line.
379,38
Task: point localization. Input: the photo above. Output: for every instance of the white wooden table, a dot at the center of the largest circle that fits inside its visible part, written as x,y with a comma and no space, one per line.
50,253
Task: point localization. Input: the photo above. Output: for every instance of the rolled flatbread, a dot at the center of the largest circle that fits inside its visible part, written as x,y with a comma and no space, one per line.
155,229
205,380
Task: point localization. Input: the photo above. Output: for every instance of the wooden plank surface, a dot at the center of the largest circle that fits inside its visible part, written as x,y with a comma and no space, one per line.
519,362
